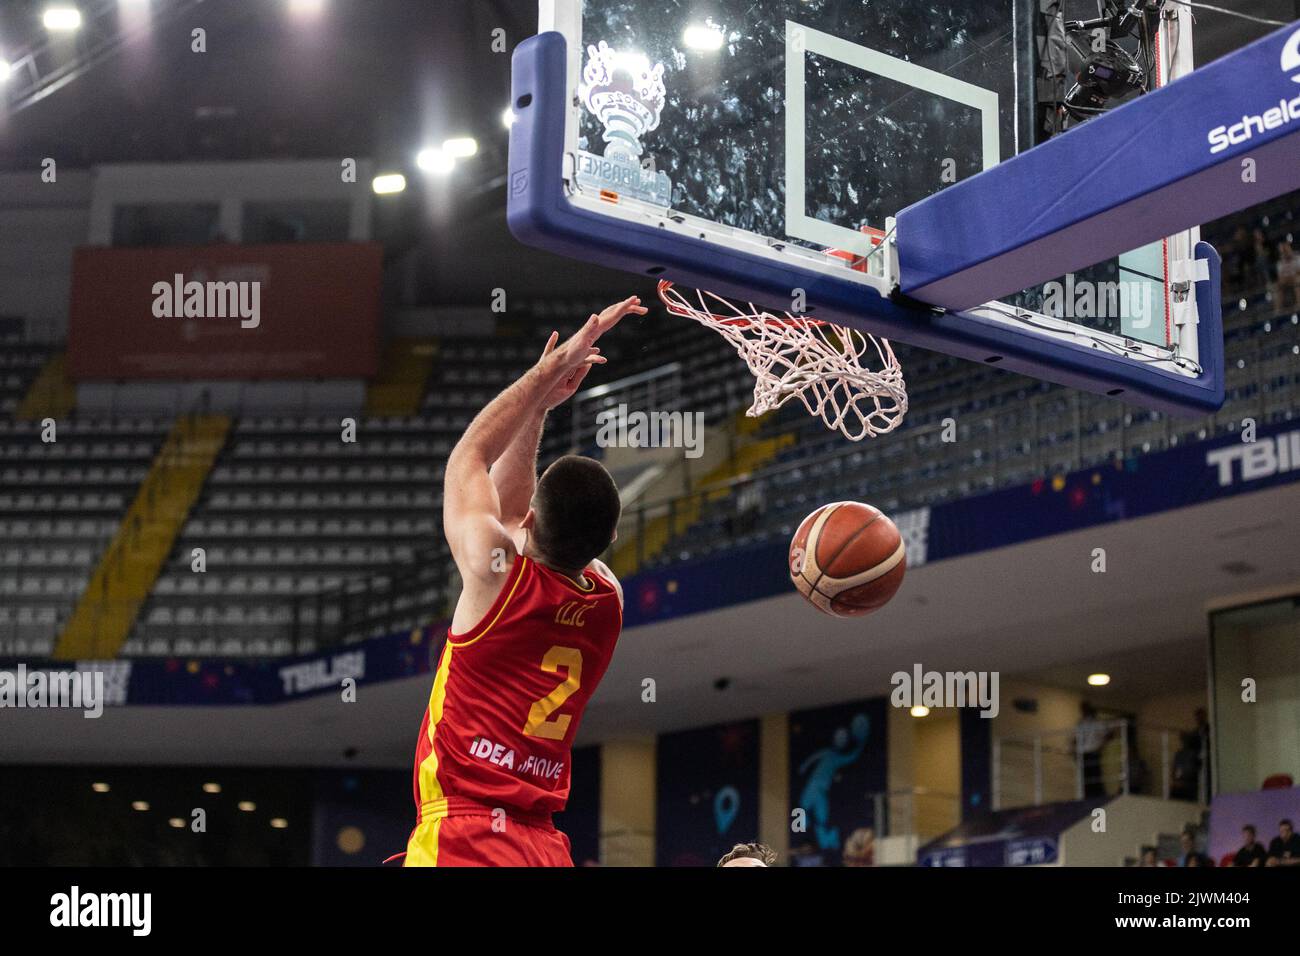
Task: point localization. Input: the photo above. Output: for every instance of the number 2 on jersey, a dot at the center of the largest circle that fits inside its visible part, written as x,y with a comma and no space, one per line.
540,723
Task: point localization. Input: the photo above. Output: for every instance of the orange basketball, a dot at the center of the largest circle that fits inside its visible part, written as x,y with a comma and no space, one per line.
847,559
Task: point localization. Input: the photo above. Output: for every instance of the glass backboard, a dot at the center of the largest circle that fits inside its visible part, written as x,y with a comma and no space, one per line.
795,131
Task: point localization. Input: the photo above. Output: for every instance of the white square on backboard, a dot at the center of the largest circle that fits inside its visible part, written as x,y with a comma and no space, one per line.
798,223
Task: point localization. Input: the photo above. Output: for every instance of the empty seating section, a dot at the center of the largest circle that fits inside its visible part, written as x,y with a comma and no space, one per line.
19,366
293,516
309,540
60,504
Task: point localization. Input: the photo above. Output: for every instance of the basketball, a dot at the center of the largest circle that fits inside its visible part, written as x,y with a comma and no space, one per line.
847,559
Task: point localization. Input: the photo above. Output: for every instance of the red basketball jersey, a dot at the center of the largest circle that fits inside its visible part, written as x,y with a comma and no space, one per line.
507,697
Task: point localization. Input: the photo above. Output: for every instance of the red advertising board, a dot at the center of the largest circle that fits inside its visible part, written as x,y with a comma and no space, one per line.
225,311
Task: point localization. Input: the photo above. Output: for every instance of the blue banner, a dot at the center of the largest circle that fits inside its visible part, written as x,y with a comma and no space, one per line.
707,798
1025,836
838,763
580,818
188,682
1122,490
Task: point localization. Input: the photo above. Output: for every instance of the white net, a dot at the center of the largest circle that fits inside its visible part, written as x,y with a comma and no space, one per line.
817,362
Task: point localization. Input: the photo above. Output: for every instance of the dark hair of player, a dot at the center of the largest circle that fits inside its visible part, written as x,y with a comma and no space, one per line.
754,851
577,508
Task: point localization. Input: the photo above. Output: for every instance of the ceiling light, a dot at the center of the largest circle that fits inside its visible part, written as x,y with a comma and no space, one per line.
212,788
248,806
1098,680
389,184
461,147
435,161
141,805
61,19
100,787
279,823
508,117
920,711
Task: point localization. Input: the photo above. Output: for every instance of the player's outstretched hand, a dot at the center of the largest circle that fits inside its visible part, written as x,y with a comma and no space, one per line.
575,357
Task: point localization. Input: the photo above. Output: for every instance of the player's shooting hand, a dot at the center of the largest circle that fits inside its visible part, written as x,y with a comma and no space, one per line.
568,386
574,359
598,325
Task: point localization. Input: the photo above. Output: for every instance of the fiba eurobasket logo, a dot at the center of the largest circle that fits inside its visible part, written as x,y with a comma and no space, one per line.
1291,57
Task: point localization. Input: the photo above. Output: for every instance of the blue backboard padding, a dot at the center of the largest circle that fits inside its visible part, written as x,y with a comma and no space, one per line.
1117,182
540,215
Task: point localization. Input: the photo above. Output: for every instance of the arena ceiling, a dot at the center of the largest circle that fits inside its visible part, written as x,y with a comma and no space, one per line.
377,78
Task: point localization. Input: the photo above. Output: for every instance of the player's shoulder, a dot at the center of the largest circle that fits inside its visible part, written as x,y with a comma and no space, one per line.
484,549
601,568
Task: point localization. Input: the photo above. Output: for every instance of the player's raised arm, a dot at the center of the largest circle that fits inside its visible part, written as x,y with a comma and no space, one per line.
515,472
472,508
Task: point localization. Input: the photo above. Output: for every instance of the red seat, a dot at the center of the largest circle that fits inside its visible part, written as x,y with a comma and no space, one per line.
1228,858
1279,781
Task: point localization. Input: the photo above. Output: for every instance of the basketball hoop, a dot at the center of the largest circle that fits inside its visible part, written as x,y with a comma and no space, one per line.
817,362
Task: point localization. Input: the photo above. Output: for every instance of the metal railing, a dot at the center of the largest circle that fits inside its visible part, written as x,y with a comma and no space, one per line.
1050,766
914,812
658,390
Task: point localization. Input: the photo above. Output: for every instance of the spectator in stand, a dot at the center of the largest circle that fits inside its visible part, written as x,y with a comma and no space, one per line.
1139,774
1285,848
1288,277
1149,857
1263,262
1186,775
1203,732
1252,852
1190,855
1235,259
1090,736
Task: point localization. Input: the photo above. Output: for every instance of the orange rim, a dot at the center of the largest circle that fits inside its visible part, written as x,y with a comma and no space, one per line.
674,309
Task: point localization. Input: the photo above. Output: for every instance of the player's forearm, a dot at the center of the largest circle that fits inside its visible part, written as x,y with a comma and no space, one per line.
515,472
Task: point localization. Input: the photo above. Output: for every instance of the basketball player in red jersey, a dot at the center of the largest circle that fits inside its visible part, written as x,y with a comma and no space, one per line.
533,631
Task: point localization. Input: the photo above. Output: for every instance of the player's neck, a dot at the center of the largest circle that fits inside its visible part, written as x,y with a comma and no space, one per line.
577,577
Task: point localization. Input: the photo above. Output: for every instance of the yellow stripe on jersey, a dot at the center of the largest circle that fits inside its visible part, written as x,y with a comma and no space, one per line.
430,788
422,848
523,569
